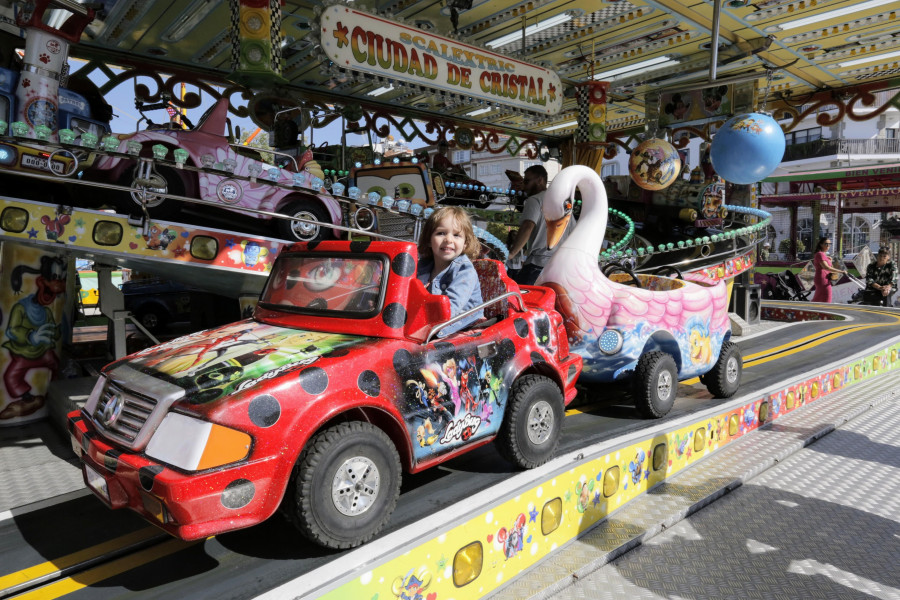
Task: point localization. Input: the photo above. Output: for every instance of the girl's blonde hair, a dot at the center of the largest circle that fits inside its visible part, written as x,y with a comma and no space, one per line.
472,246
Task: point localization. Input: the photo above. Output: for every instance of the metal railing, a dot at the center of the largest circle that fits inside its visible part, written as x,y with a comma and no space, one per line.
820,148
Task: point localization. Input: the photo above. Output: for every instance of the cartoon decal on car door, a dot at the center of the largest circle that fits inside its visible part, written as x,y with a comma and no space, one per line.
454,394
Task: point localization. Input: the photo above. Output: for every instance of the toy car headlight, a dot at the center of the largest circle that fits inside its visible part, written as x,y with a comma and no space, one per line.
194,445
610,341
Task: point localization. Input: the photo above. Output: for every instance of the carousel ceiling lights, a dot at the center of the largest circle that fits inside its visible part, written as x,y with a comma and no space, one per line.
561,126
859,61
832,14
530,30
644,66
382,90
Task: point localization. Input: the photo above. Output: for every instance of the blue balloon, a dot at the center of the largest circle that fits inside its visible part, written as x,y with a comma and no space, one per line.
747,148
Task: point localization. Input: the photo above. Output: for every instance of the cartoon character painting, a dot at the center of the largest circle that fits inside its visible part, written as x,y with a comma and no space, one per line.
412,585
159,238
451,397
513,539
584,490
54,228
31,335
636,467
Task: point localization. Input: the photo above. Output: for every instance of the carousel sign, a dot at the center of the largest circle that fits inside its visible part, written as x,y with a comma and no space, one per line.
363,42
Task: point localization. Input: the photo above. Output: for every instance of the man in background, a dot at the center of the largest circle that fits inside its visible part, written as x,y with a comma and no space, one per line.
881,279
533,228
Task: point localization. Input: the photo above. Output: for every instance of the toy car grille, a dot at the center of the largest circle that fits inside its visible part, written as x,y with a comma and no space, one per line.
397,226
122,414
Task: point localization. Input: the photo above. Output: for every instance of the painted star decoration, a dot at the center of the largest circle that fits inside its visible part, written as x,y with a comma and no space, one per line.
340,34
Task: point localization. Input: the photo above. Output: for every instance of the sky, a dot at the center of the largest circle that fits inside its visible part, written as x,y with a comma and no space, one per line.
126,118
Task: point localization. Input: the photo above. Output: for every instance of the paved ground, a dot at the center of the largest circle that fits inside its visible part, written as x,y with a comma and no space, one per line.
808,507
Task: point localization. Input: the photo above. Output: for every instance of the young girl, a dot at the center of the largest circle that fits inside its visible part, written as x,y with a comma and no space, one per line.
446,248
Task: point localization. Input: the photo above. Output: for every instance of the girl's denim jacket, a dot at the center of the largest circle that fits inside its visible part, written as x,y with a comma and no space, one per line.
459,282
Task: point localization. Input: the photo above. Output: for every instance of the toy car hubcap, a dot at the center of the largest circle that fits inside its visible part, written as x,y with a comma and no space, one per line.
731,370
664,384
355,486
154,185
540,422
302,230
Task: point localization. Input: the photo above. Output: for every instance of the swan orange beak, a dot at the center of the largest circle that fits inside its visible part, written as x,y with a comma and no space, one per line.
555,229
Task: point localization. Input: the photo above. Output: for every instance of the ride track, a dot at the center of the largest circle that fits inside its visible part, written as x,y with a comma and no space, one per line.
77,548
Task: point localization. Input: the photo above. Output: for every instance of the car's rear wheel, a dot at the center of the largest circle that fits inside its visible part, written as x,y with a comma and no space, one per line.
301,231
655,384
146,189
724,379
345,485
531,428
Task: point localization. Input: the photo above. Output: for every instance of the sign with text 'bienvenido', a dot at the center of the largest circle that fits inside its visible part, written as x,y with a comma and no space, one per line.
363,42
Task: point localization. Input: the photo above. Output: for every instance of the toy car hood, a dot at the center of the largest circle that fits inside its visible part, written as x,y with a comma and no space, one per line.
220,362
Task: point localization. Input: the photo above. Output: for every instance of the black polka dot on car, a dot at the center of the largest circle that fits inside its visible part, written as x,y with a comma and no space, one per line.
238,494
542,330
111,460
337,353
394,315
313,380
537,358
521,327
359,246
402,359
506,350
146,475
312,245
369,383
403,264
264,410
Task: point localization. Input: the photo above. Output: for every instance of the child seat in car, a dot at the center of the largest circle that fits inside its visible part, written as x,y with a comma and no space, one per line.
494,282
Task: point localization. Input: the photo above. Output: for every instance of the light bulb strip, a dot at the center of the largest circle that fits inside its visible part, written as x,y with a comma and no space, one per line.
818,34
859,52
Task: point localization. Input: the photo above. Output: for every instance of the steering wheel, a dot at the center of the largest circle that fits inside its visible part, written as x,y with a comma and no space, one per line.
669,269
612,267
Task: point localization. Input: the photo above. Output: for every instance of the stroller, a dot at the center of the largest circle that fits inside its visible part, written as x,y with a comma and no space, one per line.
783,286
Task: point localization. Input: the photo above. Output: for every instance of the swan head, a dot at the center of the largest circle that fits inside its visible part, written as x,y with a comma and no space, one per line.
557,226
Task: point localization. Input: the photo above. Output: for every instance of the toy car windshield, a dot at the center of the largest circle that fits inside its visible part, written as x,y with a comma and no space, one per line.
323,284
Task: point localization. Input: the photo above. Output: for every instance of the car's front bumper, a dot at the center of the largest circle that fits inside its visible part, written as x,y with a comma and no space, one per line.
187,505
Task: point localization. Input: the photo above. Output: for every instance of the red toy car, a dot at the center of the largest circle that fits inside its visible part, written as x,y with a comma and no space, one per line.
319,400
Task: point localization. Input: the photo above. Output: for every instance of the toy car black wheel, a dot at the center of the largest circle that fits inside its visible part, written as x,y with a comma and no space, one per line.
724,379
655,384
152,318
345,485
531,429
300,231
162,180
